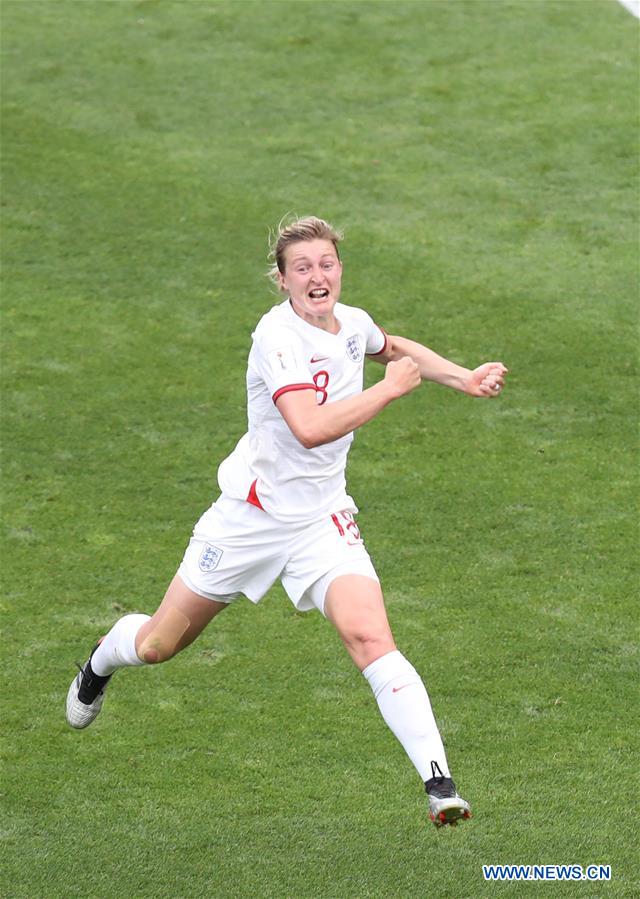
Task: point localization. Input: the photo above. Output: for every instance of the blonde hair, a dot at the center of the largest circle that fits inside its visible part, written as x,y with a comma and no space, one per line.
308,228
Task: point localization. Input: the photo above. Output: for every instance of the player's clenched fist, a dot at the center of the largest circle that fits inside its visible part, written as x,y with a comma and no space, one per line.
487,380
402,376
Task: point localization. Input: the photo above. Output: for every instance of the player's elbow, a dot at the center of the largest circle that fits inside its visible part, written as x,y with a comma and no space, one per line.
309,427
308,437
309,433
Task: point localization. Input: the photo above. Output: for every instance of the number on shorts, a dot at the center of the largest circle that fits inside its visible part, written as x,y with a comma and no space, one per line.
347,527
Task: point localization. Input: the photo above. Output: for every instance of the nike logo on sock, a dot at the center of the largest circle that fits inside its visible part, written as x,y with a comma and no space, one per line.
397,689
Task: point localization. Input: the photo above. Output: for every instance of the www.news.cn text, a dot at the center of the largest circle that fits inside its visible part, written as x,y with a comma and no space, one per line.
546,872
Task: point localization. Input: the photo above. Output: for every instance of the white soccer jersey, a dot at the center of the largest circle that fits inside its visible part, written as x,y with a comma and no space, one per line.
269,467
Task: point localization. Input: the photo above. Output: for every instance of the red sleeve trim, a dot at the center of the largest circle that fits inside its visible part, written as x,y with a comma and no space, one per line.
384,346
276,396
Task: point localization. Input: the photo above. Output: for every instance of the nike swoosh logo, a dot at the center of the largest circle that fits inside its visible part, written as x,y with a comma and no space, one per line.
318,359
397,689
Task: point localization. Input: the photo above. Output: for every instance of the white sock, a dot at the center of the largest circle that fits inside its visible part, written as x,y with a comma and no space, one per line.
404,704
118,649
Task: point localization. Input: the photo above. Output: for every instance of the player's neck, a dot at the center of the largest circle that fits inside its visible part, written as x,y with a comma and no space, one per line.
326,322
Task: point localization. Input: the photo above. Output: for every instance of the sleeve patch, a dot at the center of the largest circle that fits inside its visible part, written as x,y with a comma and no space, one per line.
282,359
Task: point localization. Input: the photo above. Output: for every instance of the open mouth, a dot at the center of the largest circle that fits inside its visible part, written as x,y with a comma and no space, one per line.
320,293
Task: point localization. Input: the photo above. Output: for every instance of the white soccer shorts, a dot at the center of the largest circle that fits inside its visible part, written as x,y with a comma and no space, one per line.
237,548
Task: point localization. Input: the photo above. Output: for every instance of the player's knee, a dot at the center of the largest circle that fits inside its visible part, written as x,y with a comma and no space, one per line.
367,644
164,638
370,636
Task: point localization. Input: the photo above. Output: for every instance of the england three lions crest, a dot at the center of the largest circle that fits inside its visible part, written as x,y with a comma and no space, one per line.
209,557
354,350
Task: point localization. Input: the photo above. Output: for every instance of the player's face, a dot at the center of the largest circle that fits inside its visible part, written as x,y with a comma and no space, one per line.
312,277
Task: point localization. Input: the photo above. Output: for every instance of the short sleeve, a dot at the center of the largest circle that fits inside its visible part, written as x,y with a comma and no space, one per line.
376,338
278,358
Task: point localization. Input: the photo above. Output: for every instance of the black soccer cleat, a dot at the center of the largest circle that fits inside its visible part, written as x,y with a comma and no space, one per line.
86,695
446,806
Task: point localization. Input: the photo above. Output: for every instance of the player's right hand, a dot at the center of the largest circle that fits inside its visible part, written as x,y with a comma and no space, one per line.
403,376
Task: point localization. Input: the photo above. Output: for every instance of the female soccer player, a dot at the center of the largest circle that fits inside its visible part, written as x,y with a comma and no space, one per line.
284,511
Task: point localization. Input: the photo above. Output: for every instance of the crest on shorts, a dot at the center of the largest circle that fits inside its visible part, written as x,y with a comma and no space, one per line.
209,557
354,350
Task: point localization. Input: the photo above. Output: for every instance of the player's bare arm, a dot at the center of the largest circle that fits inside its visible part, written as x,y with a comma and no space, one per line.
314,425
485,381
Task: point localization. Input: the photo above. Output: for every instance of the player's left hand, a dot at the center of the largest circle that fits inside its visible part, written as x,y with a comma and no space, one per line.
487,380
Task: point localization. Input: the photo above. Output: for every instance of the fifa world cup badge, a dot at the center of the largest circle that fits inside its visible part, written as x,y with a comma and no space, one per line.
282,360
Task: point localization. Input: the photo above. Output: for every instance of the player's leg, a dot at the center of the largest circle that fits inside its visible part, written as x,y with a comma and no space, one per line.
137,640
181,617
234,549
355,606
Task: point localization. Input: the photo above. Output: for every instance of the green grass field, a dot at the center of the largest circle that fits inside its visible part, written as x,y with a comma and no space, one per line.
482,159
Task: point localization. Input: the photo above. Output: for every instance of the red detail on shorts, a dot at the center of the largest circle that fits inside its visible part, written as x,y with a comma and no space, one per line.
288,387
334,519
347,527
253,497
385,345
